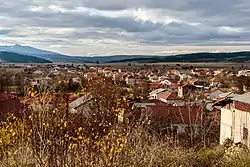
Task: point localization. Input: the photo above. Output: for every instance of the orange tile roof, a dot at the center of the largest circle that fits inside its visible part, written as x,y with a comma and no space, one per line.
193,80
213,79
169,96
213,89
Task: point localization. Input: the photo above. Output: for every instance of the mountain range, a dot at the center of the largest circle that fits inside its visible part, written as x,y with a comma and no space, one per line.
10,57
56,57
27,54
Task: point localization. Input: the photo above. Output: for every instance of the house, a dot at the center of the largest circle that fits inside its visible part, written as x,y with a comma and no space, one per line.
179,118
235,119
38,72
155,93
197,71
214,82
155,85
50,101
185,90
81,105
153,78
9,104
142,105
214,94
218,72
243,73
55,72
174,72
77,80
167,82
170,98
90,75
184,77
130,80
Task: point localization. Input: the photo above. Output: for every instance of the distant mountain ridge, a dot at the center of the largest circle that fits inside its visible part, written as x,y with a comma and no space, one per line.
9,57
195,57
31,51
25,50
56,57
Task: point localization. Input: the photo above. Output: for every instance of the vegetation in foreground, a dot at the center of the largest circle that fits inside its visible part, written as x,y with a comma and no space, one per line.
47,134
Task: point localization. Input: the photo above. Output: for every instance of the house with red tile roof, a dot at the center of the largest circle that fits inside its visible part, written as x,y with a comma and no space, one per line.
214,82
156,92
170,98
155,85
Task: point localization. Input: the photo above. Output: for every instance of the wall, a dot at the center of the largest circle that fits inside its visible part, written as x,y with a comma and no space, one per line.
226,125
180,91
242,119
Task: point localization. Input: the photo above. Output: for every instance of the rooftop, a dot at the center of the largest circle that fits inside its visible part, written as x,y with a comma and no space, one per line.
244,98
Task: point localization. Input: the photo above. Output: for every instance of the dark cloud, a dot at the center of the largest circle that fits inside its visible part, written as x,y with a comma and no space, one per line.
196,22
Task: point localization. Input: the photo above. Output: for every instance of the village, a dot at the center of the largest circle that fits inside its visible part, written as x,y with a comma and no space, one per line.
217,99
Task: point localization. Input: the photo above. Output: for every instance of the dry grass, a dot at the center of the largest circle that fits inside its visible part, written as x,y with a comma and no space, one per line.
139,149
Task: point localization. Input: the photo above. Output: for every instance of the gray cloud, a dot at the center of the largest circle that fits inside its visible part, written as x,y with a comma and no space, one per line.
5,31
157,23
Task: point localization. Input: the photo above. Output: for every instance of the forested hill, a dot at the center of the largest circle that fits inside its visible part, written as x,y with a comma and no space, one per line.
194,57
10,57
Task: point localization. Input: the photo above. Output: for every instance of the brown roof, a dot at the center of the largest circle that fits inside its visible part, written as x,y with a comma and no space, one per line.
213,79
155,85
213,89
5,96
176,114
193,80
9,104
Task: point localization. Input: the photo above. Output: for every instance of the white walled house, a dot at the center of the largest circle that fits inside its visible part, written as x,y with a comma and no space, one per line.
130,80
235,120
153,78
243,73
154,94
166,82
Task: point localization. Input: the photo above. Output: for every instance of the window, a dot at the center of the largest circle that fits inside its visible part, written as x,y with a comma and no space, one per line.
245,134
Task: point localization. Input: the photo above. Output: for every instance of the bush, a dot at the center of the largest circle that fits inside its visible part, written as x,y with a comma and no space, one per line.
51,136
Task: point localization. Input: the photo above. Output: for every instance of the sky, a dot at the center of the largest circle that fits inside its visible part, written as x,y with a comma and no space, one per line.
110,27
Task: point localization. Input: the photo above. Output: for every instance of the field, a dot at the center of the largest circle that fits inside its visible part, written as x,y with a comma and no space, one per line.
177,65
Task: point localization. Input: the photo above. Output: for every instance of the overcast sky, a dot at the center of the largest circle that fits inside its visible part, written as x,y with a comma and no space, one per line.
108,27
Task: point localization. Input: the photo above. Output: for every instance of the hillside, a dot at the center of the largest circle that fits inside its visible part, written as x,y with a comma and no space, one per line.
39,53
194,57
18,58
